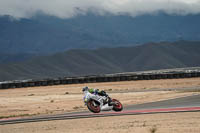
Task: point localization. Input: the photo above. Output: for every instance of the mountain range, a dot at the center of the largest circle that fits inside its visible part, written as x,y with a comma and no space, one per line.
43,34
150,56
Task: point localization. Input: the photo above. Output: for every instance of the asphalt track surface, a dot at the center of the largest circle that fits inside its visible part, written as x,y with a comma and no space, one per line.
183,104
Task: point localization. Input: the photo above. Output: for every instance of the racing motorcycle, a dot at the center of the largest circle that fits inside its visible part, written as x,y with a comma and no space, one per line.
96,103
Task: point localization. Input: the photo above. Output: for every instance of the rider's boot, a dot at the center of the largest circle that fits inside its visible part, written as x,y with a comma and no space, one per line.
110,102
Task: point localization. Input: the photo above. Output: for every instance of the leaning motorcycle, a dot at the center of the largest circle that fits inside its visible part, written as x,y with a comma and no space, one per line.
97,103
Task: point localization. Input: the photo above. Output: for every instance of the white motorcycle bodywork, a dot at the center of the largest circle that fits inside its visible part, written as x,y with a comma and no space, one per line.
100,99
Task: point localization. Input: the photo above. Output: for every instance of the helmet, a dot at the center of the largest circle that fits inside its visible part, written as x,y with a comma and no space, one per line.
85,89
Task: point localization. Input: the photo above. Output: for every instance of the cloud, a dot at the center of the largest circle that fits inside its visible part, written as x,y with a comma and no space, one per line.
69,8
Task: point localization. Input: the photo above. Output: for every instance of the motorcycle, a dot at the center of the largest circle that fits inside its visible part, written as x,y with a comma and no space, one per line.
96,103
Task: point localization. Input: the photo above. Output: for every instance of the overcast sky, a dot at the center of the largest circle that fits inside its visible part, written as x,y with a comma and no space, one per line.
69,8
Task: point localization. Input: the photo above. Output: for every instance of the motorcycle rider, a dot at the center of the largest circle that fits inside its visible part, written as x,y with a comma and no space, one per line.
97,92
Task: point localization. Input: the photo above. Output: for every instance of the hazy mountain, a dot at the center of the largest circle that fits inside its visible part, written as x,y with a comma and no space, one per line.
106,60
45,34
10,58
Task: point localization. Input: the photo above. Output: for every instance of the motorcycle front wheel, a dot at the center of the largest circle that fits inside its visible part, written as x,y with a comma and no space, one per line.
118,106
93,106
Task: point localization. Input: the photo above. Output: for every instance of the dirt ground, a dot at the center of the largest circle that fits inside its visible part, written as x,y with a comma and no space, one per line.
68,98
151,123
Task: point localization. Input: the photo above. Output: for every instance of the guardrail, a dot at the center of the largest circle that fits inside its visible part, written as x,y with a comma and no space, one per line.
101,78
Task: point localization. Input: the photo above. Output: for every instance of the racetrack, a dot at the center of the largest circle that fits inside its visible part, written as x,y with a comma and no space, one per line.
190,101
183,104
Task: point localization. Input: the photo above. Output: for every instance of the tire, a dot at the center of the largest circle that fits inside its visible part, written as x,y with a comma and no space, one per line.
118,107
92,107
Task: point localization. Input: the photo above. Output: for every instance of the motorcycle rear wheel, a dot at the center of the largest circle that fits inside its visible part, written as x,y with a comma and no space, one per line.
93,108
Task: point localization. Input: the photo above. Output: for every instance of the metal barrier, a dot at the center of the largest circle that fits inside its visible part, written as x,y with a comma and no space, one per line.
94,79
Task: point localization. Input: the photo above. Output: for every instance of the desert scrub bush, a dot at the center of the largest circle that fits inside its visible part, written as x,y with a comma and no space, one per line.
31,94
109,89
144,124
153,129
66,93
